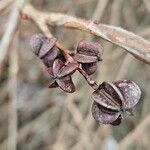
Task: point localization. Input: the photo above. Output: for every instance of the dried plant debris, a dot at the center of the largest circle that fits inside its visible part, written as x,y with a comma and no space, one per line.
111,100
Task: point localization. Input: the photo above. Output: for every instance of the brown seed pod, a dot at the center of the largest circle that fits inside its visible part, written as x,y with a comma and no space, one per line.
36,43
85,58
65,83
102,115
90,48
41,45
89,68
47,47
60,69
62,75
88,54
130,91
118,97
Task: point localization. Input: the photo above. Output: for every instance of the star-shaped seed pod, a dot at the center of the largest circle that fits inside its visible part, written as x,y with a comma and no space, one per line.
88,54
45,49
62,75
42,45
112,100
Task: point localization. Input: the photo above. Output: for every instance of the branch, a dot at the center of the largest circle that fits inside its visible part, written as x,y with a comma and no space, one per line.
134,44
10,30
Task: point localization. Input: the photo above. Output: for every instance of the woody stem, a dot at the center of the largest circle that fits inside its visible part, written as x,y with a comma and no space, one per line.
90,81
66,52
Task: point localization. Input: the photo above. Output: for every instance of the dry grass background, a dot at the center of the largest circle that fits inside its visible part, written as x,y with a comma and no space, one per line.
33,117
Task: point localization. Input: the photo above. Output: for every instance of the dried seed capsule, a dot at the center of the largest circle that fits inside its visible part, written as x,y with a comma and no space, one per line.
118,97
106,95
89,68
88,54
66,84
62,74
90,48
41,45
85,58
102,115
36,43
60,69
47,46
130,91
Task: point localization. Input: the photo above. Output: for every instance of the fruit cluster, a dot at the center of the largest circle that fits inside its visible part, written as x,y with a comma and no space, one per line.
111,100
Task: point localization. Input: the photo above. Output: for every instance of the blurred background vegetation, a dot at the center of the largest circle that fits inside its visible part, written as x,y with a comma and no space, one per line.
41,118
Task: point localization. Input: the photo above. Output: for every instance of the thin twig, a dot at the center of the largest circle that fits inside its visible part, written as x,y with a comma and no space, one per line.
132,43
10,31
124,67
147,4
98,13
12,130
115,12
